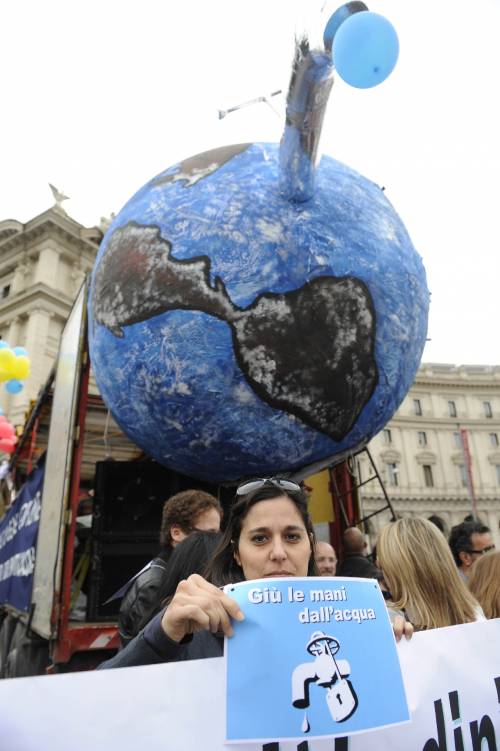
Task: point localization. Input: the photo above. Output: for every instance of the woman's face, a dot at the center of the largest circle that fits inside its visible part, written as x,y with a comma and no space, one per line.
273,540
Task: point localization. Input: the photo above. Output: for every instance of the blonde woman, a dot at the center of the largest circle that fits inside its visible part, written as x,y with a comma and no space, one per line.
422,577
484,583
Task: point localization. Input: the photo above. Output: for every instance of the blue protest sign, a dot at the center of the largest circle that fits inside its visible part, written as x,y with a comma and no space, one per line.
314,658
18,533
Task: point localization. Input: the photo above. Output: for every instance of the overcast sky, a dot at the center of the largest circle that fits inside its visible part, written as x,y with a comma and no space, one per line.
98,97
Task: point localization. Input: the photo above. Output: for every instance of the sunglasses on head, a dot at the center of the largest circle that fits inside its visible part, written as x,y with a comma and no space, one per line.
252,485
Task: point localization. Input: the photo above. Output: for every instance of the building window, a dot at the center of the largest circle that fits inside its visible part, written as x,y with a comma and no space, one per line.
387,436
452,408
463,475
392,474
457,440
428,479
487,409
417,407
5,291
497,467
494,439
422,438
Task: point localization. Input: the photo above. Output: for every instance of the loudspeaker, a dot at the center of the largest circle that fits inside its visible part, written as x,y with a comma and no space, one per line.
129,498
112,565
126,520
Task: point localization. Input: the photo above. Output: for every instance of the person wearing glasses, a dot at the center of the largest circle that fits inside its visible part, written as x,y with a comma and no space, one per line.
468,542
269,534
421,576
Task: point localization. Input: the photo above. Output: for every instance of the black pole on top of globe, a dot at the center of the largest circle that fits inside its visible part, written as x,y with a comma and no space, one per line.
308,92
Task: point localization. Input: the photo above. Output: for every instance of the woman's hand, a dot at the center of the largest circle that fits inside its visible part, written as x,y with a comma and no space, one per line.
402,627
199,605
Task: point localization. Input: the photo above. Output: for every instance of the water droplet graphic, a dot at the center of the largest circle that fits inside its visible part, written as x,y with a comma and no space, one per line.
305,724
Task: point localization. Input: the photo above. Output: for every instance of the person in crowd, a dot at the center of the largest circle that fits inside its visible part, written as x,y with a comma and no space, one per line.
421,575
326,559
183,513
435,519
355,561
468,541
484,583
269,534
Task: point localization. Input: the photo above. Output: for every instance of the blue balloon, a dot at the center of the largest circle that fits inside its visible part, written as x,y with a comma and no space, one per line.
337,19
4,345
14,386
365,49
20,351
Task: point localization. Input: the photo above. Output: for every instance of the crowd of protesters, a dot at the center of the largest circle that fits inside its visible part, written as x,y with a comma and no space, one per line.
427,581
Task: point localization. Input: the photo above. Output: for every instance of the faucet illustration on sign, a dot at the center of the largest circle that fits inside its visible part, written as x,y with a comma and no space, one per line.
324,670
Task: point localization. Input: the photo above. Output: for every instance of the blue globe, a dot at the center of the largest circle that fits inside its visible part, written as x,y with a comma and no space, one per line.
234,332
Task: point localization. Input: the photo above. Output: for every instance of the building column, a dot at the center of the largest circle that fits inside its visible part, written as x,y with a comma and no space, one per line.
77,276
46,267
37,329
19,278
14,328
7,400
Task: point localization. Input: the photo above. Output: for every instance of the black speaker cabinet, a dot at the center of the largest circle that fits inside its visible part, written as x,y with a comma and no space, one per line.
112,565
127,510
129,498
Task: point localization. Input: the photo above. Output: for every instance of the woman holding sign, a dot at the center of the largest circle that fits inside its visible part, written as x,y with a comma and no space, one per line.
269,535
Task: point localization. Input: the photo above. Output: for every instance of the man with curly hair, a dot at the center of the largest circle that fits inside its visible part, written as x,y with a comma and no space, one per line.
183,513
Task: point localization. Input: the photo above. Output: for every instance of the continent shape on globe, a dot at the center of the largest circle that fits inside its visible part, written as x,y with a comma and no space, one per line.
234,332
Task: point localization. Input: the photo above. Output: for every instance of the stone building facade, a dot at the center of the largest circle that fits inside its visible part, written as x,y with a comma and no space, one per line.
42,265
419,454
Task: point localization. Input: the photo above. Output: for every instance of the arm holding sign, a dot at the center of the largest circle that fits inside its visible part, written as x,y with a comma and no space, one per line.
152,647
198,605
149,647
185,630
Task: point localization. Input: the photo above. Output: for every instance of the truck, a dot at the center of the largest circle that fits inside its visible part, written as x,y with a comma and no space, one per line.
85,518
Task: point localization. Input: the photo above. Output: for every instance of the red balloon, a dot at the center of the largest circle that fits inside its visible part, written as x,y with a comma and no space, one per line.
7,430
7,445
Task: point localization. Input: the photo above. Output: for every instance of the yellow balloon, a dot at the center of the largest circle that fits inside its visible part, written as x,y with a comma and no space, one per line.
7,359
4,375
20,368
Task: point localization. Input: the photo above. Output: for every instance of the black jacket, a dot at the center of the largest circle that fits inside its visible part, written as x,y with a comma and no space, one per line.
355,564
140,602
152,646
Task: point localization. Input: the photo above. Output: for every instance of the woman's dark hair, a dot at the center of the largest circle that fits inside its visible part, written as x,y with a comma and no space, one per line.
189,557
223,568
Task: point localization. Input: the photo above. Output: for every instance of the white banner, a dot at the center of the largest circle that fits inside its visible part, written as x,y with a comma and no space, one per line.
451,675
